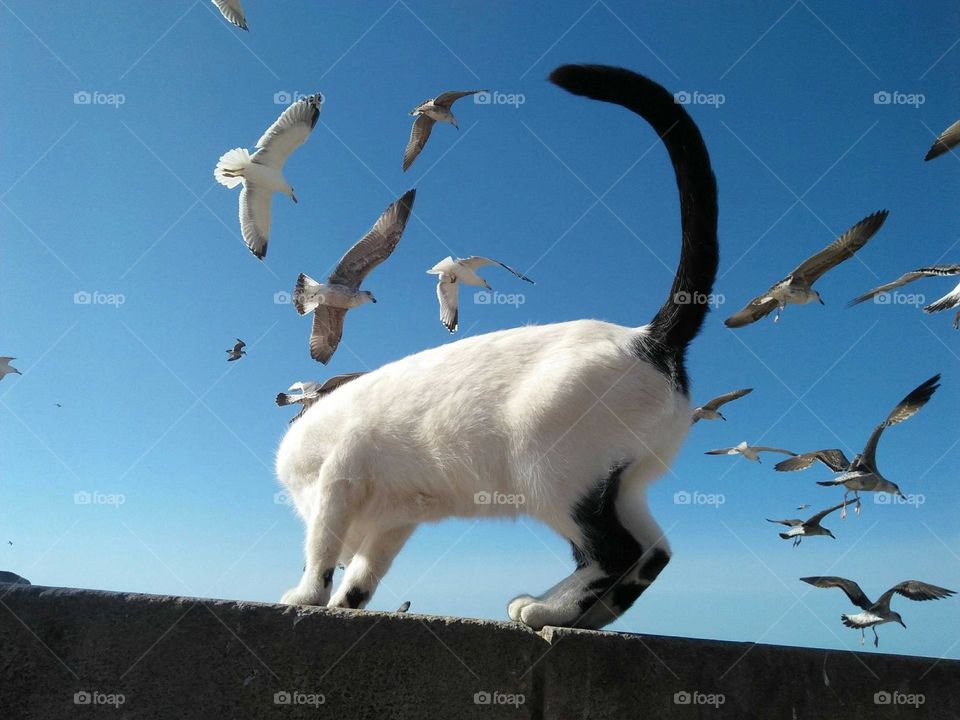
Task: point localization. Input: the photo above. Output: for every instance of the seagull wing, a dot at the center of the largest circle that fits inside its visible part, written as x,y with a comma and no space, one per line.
336,381
376,246
788,523
852,590
722,451
948,140
419,134
724,399
447,294
759,307
843,248
950,300
905,409
450,97
255,202
289,132
915,590
474,262
326,333
909,277
240,345
815,519
233,12
833,459
764,448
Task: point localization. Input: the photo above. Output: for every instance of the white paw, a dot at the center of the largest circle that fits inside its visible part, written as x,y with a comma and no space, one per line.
299,596
536,615
517,605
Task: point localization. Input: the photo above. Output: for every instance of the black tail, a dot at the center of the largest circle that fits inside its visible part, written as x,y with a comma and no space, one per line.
681,316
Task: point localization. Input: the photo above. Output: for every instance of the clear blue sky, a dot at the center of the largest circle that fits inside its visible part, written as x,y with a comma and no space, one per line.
120,199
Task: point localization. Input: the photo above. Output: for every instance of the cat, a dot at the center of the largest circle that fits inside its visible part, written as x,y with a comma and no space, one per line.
568,423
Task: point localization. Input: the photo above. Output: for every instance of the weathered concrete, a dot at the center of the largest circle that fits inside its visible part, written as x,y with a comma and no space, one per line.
68,653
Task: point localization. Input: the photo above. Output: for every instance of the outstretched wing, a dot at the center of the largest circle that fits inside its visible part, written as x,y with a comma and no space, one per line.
948,140
255,201
724,399
832,458
722,451
843,248
950,300
419,134
447,294
233,12
932,270
474,262
815,519
759,307
915,590
451,96
289,132
852,590
336,381
905,409
764,448
326,333
789,523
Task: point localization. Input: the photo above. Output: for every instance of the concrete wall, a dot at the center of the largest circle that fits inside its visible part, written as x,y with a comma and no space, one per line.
68,653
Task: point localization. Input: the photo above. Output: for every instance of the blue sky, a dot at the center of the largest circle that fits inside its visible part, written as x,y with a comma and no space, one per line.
119,199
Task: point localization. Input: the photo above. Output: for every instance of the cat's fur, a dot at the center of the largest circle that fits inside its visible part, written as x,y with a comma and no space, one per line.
569,423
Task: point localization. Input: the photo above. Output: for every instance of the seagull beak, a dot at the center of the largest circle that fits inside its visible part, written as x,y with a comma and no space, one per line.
373,299
902,623
721,416
900,494
831,535
820,300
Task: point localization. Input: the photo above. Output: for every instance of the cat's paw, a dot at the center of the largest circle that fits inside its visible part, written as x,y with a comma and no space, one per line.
517,605
299,596
536,615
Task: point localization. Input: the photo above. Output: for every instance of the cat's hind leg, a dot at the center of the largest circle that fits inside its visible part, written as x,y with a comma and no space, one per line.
368,566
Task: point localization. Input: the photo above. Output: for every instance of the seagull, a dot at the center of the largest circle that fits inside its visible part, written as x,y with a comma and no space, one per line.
797,287
403,608
262,172
237,352
800,529
427,113
750,452
309,392
948,140
862,474
711,410
233,12
450,272
950,300
6,368
832,458
803,507
879,612
329,303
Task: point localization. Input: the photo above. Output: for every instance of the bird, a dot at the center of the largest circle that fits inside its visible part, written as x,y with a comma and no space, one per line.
950,300
832,458
862,474
403,608
237,352
58,405
803,507
711,410
948,140
6,368
233,12
262,173
797,287
800,529
309,392
461,270
329,303
879,612
750,452
427,113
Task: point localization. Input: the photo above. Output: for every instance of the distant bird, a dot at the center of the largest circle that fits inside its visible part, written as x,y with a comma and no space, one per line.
403,608
461,270
262,172
329,303
800,529
950,300
10,542
862,474
307,393
948,140
750,452
237,352
233,12
6,368
58,405
879,612
797,287
711,410
803,507
427,113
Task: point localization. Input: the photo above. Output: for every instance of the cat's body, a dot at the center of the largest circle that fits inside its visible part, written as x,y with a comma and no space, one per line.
567,423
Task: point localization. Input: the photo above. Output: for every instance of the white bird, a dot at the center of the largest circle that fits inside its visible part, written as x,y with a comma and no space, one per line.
262,172
461,270
803,507
711,410
948,140
233,12
307,393
950,300
427,113
329,303
810,527
750,452
6,368
879,612
237,351
797,287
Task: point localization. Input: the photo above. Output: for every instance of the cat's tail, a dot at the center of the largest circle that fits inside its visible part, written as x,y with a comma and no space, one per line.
679,319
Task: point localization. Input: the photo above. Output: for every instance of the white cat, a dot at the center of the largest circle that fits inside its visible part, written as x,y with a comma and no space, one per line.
567,423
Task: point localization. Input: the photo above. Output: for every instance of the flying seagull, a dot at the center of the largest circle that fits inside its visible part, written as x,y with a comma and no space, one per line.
879,612
750,452
307,393
403,608
711,410
800,529
237,352
262,172
461,270
6,368
329,303
832,458
233,12
427,113
862,474
797,287
950,300
803,507
948,140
